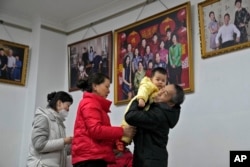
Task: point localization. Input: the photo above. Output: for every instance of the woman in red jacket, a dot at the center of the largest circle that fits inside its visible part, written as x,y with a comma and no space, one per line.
94,137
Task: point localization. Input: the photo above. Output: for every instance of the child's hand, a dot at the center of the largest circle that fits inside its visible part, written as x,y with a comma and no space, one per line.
141,103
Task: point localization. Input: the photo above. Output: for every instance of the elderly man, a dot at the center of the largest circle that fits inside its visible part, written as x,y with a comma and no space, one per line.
153,126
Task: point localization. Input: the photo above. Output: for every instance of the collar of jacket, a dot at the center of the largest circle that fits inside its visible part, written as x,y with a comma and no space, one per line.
52,115
105,104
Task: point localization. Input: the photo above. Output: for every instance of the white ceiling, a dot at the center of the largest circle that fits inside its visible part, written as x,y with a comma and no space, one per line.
64,12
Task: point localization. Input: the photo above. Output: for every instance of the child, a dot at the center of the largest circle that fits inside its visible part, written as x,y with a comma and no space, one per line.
147,91
82,71
123,155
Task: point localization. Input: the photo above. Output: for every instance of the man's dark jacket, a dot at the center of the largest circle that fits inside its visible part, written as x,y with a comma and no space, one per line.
151,136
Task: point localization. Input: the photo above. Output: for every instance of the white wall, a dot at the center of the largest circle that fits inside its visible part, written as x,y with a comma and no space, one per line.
214,117
12,102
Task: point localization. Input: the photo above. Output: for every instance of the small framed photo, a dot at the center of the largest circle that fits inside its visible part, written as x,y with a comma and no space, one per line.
13,62
90,55
224,26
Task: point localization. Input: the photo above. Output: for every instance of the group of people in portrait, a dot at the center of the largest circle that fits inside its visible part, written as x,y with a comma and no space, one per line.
10,65
233,30
162,44
86,61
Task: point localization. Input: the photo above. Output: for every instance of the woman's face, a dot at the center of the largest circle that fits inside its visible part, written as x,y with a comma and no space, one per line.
169,34
174,39
155,38
238,5
140,66
157,57
127,60
143,42
102,89
148,49
162,44
62,105
136,51
212,16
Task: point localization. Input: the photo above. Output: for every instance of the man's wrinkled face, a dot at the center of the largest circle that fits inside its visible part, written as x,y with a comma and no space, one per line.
166,94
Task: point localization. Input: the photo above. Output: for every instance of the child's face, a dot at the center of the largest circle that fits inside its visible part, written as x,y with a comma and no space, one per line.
159,80
119,145
166,94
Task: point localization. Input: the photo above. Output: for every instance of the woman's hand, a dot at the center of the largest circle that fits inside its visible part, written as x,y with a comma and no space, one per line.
68,140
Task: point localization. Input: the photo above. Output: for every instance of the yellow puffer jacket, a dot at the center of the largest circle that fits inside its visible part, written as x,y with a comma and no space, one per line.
147,91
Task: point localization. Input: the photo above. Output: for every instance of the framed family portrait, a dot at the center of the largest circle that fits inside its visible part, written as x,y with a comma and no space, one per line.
13,62
161,40
224,26
90,55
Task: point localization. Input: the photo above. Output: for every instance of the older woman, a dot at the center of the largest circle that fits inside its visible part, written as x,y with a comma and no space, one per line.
242,17
94,136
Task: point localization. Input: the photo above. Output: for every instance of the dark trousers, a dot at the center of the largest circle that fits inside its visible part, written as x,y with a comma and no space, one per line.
175,75
91,163
10,73
3,74
227,44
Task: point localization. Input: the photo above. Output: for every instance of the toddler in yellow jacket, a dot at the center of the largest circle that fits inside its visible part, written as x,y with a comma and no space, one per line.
147,91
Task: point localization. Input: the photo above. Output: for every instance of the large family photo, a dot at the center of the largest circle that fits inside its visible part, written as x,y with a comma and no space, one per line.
162,40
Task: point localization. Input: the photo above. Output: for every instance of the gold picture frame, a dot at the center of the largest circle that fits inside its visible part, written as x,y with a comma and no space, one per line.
178,21
13,62
211,37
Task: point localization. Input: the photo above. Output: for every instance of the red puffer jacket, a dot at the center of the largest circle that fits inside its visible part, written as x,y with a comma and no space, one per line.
93,135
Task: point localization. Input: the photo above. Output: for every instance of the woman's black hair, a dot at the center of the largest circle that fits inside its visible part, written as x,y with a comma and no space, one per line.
160,70
124,61
212,12
94,78
175,34
140,62
53,97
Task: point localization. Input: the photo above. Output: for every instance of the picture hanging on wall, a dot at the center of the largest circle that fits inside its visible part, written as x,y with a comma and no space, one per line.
13,62
224,26
162,40
90,55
